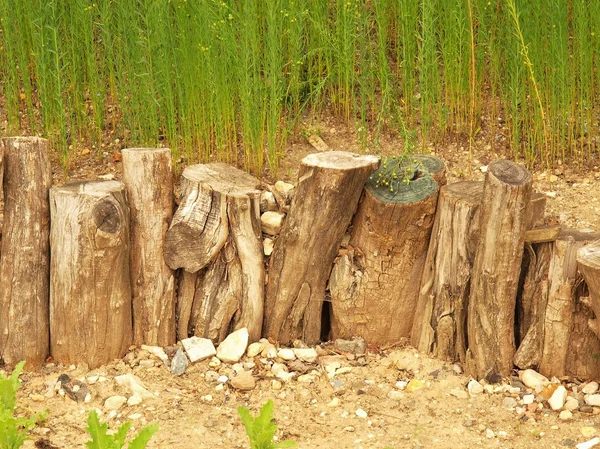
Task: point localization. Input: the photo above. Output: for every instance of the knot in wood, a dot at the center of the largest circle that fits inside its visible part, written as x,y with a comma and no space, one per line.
106,216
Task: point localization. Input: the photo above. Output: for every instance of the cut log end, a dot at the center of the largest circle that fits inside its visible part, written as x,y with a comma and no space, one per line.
589,256
509,173
340,160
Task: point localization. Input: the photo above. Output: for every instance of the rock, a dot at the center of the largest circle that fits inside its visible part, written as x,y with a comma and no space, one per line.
300,367
243,381
179,363
571,404
286,354
489,433
134,400
146,364
474,388
134,384
211,376
267,202
255,349
268,245
214,363
509,402
158,352
308,355
234,346
528,399
590,388
565,415
272,222
592,399
361,413
222,379
334,402
356,346
558,398
459,393
278,367
276,385
115,402
396,395
588,431
306,378
414,385
284,376
588,444
401,385
284,189
533,379
198,349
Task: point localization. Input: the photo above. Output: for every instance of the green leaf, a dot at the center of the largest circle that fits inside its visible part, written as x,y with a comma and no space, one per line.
261,430
142,438
100,440
286,443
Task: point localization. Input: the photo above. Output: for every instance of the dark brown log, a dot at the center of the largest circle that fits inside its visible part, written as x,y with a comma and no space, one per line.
440,319
588,261
148,178
90,303
220,212
375,284
328,191
25,254
496,269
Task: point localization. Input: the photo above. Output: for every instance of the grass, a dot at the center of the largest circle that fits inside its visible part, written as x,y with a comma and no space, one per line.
231,79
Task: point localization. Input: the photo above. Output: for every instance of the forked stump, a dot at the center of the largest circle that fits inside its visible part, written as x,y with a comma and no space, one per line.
148,178
25,253
329,187
441,316
216,237
90,302
496,269
588,261
375,285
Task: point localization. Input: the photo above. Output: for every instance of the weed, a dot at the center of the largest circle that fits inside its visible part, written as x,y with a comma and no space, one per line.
261,429
102,440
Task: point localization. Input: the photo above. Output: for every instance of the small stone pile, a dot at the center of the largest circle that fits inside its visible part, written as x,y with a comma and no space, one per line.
274,206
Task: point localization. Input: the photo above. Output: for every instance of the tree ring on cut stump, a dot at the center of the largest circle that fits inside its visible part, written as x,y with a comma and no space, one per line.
106,216
510,173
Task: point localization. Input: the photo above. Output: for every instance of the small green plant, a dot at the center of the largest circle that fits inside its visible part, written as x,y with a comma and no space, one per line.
261,430
102,440
13,430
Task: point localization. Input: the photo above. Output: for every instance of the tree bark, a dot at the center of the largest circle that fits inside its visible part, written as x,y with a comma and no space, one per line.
441,315
588,261
90,303
148,178
25,254
375,285
328,191
496,269
216,233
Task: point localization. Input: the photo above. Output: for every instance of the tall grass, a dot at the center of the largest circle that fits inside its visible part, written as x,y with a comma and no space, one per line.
229,79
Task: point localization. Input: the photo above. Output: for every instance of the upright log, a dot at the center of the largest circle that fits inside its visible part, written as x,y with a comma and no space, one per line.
25,254
148,178
375,284
90,302
216,237
441,315
496,269
588,261
329,187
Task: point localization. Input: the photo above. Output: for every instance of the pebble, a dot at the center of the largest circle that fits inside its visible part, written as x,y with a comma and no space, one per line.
134,400
284,188
286,354
414,385
308,355
401,384
590,388
146,364
91,380
222,379
459,393
571,404
157,351
565,415
276,385
243,381
592,399
211,376
361,413
198,349
306,378
272,222
397,395
214,362
114,402
356,346
558,398
268,246
509,402
179,363
533,379
334,402
474,388
489,433
255,349
134,384
234,346
588,431
528,399
588,444
267,201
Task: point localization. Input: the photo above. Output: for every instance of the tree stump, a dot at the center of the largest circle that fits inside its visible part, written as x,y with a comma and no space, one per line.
90,302
375,285
329,187
25,254
216,233
148,178
588,261
441,315
496,269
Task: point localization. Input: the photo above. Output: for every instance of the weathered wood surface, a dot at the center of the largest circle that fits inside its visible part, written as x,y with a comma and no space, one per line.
588,261
441,316
90,302
329,187
148,178
216,234
25,253
374,285
496,269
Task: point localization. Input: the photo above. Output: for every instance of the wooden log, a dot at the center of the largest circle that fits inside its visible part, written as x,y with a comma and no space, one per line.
537,210
25,254
90,302
588,261
375,285
440,320
148,178
185,300
496,269
329,187
220,212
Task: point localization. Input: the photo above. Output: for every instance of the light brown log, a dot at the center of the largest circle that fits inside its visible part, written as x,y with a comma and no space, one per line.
375,285
542,234
588,261
185,300
496,269
537,210
219,215
328,191
440,320
25,254
90,303
148,178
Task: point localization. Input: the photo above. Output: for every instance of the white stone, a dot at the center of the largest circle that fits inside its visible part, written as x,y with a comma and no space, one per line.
278,367
157,351
459,393
571,404
283,187
592,399
134,400
272,222
533,379
276,385
334,402
306,378
489,433
198,349
565,415
361,413
588,444
267,201
474,387
528,399
286,354
255,349
135,385
397,395
590,388
308,355
115,402
558,398
222,379
268,246
285,376
234,346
